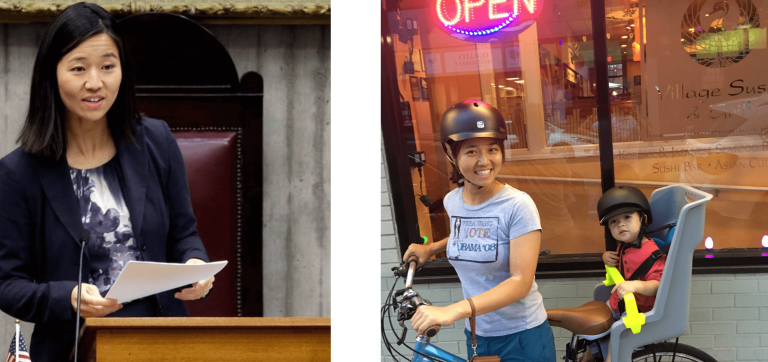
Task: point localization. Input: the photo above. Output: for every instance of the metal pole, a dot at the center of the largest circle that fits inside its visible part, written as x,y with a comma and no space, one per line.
18,342
600,45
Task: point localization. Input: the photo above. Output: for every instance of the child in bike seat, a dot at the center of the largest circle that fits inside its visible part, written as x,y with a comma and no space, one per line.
627,213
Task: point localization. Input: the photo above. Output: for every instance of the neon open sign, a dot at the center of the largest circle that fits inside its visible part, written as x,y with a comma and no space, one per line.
483,18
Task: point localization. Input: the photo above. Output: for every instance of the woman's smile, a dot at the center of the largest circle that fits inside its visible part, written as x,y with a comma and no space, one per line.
94,101
484,173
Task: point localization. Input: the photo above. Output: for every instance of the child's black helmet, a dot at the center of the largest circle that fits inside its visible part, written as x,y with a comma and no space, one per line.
621,199
471,119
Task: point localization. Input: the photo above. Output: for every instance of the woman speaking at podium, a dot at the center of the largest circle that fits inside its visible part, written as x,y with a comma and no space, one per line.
89,167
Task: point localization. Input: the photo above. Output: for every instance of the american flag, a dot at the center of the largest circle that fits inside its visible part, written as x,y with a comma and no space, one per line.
23,352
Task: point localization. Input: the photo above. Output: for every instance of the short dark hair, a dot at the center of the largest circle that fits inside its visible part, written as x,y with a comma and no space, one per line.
44,132
455,146
640,214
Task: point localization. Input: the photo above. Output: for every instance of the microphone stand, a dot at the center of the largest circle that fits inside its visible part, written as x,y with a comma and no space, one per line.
84,237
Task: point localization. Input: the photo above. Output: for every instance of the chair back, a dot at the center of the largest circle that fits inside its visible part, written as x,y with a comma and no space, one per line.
186,77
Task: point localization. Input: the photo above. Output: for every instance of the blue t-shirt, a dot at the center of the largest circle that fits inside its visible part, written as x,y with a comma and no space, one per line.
105,214
478,248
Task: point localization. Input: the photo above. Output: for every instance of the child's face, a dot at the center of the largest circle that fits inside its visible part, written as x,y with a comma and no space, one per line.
625,227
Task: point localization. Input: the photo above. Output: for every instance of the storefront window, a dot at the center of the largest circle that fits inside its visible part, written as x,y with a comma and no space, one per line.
685,96
703,119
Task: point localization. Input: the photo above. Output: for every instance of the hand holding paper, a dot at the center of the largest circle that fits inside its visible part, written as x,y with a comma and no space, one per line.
92,304
198,290
140,279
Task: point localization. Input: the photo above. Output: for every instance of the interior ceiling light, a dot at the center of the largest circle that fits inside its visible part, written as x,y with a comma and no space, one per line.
512,78
501,86
519,81
623,45
624,37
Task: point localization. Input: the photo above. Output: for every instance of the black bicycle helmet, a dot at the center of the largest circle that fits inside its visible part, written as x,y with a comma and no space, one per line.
621,199
471,119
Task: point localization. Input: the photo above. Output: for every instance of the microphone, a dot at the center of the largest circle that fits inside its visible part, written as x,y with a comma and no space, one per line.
85,235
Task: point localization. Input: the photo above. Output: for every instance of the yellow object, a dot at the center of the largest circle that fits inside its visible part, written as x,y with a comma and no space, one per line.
634,319
612,276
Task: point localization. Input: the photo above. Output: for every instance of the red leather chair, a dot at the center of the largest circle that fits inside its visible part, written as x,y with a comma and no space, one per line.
212,172
186,77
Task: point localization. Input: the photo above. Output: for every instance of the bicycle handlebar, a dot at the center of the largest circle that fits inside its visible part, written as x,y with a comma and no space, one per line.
412,263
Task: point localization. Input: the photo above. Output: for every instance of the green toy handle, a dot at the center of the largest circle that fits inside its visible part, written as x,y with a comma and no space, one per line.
634,319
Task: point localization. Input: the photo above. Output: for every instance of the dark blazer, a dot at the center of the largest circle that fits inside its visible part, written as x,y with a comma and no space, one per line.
40,223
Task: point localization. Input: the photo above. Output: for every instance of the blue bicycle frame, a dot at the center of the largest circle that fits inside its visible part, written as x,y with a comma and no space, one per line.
422,346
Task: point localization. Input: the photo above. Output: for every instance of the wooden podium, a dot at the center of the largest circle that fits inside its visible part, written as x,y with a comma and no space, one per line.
206,339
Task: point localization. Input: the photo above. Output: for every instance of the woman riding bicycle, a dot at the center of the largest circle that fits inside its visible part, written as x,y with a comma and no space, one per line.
494,245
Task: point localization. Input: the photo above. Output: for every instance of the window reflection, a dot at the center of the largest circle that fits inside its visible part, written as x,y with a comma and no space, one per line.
692,111
541,80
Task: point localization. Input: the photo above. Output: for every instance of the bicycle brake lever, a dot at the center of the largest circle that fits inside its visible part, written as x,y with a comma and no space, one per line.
397,271
401,270
402,336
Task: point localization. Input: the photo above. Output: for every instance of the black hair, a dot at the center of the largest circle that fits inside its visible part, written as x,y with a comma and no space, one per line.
44,131
640,214
643,225
455,147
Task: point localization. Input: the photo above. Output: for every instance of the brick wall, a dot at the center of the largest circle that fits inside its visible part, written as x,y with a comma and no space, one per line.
728,316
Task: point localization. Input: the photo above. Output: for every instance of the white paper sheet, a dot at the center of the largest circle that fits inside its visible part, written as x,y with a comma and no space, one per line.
140,278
